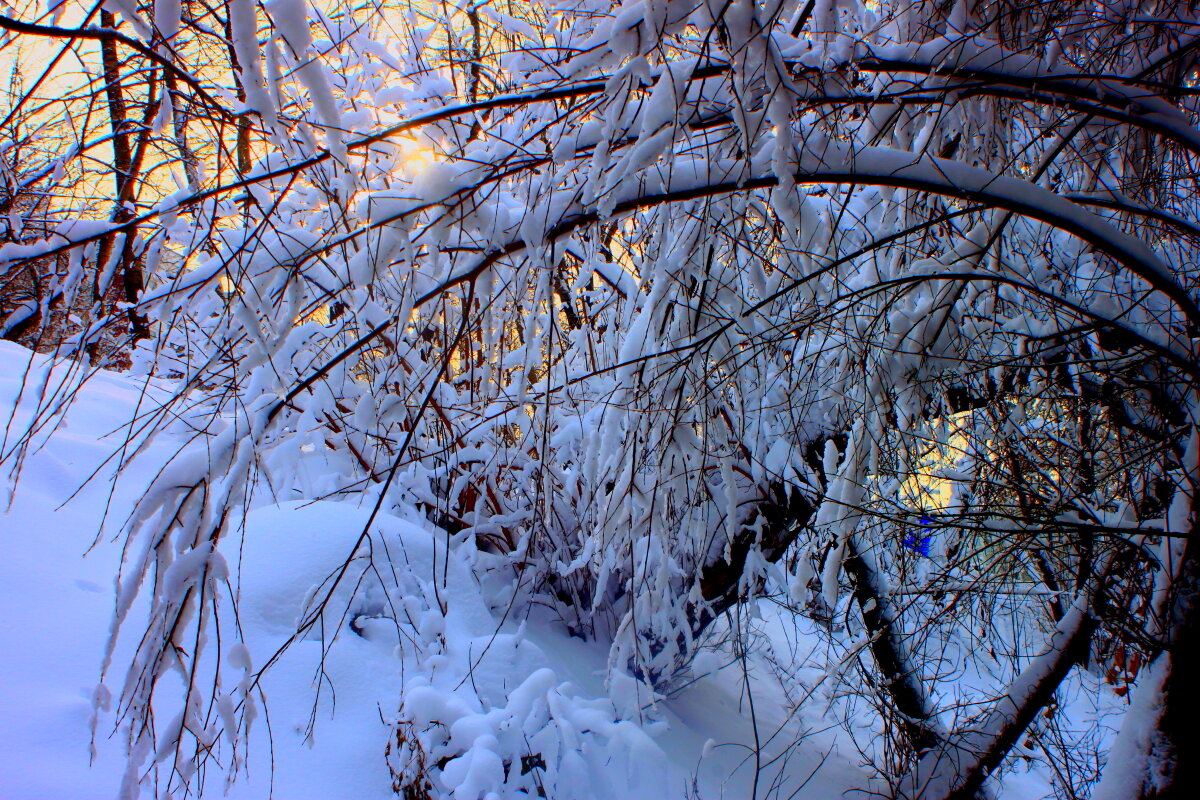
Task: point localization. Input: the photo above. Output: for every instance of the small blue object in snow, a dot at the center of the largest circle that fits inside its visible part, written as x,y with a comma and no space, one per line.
919,540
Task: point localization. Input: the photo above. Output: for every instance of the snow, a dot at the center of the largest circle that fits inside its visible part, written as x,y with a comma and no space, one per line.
499,687
1133,748
601,440
245,42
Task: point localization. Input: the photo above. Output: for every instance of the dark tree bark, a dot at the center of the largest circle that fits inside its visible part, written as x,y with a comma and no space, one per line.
900,679
783,516
126,281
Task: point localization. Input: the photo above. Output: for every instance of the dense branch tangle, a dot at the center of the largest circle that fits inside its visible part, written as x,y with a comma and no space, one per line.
661,303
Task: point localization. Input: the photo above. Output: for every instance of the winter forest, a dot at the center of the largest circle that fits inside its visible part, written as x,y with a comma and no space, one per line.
600,399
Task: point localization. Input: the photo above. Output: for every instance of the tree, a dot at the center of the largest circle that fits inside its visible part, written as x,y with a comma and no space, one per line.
672,306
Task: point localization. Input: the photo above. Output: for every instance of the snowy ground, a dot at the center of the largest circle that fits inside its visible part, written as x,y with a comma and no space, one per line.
326,731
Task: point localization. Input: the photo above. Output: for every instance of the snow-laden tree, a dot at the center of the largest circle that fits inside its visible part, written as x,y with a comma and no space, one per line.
885,310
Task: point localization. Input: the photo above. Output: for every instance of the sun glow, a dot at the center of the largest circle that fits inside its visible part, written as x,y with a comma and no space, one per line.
416,156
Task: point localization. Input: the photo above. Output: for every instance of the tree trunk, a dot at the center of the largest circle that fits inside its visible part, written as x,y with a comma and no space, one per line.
124,282
1176,775
1156,763
900,678
957,769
